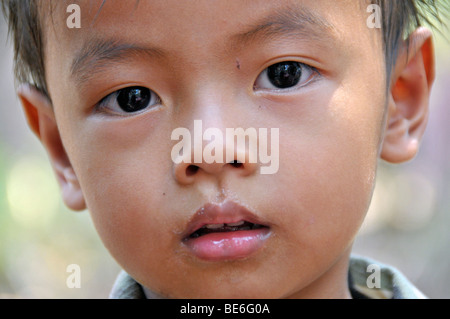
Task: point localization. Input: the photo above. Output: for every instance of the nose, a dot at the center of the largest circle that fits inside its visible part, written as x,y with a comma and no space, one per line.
187,172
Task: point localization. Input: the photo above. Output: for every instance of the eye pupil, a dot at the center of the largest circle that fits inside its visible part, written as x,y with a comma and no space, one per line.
284,74
133,99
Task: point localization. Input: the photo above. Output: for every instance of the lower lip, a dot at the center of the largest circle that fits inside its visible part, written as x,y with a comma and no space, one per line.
228,245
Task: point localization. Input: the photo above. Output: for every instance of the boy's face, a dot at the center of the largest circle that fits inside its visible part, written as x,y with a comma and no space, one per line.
205,60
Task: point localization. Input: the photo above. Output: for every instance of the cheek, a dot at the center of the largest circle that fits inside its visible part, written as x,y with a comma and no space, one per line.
123,170
329,174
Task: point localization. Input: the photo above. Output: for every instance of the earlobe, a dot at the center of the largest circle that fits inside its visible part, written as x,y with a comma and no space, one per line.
409,96
41,119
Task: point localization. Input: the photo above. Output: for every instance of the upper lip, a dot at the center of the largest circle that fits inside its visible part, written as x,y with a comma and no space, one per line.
225,213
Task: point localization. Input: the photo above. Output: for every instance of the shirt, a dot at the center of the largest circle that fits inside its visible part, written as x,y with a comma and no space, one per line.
368,279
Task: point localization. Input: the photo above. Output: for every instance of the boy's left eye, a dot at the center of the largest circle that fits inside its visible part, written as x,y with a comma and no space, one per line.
284,75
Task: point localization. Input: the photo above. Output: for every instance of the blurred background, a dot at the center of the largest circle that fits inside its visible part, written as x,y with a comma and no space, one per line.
407,224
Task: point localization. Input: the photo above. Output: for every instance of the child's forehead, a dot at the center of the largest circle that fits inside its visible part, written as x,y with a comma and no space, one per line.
306,16
318,20
112,28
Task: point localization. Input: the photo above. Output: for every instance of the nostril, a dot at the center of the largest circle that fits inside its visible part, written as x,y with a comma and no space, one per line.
191,170
236,164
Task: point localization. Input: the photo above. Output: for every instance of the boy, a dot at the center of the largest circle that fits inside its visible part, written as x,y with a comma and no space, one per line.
336,89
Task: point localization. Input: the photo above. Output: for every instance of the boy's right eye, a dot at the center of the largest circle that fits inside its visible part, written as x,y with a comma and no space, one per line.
129,100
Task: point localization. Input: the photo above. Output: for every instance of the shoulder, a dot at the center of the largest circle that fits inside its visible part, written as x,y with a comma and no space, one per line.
373,279
125,287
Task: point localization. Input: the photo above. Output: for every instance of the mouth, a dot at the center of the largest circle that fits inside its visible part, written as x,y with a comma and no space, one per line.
225,232
222,228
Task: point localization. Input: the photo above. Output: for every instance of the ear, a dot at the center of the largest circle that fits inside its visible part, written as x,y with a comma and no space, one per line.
41,119
407,117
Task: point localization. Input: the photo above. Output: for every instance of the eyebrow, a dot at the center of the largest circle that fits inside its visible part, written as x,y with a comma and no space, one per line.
289,22
98,53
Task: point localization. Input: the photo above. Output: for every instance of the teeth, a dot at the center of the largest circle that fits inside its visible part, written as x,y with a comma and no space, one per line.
236,224
214,226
